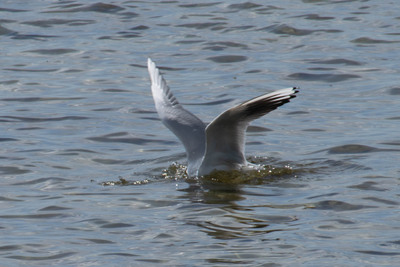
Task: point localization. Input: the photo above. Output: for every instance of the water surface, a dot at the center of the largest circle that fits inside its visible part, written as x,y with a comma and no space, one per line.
83,152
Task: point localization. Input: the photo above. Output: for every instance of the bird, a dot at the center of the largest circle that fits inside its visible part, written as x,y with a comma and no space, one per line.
220,145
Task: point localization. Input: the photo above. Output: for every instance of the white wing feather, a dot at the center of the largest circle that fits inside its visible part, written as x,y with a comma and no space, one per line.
187,127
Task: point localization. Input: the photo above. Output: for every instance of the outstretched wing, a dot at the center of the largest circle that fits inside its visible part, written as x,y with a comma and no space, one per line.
186,126
225,135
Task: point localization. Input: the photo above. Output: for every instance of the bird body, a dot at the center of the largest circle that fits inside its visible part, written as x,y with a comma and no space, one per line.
220,144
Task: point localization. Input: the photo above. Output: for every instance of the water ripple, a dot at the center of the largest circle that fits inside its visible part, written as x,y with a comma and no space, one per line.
54,22
47,180
34,120
5,31
368,186
11,170
205,25
35,216
116,225
338,206
322,77
242,6
315,17
98,241
54,51
5,139
355,149
12,10
31,70
38,99
378,253
97,7
41,258
394,91
367,40
52,208
341,61
10,247
227,59
115,137
289,30
219,46
196,5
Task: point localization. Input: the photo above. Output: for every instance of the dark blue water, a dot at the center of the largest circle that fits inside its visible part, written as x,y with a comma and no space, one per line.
83,178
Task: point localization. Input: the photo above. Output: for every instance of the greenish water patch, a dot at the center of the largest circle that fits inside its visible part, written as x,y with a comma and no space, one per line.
266,173
258,175
177,171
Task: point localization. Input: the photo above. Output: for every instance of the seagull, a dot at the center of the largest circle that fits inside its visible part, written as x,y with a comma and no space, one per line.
218,146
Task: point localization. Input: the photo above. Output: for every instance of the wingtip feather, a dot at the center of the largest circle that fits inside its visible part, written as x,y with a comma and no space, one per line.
154,73
150,64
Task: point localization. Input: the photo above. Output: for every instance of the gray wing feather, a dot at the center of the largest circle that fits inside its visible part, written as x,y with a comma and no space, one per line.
225,135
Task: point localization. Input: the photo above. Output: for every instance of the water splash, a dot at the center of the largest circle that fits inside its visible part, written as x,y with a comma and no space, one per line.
123,182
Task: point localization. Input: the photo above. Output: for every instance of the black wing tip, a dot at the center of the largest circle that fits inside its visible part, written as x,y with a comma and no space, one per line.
273,103
295,91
